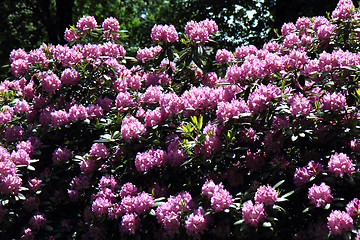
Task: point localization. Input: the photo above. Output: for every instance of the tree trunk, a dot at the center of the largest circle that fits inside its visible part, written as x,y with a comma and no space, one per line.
64,16
56,18
48,21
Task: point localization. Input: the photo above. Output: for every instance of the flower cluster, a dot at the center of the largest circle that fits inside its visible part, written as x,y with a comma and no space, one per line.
303,174
339,164
197,222
199,31
144,161
131,127
253,214
219,197
164,33
266,195
320,195
169,214
86,23
148,53
339,221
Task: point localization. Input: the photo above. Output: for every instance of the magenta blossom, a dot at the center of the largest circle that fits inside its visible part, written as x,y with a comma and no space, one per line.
253,214
320,195
339,164
266,194
339,221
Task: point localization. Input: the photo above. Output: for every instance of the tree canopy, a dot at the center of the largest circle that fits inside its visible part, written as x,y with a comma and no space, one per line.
28,23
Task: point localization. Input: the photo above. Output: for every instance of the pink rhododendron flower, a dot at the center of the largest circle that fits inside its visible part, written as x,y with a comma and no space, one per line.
20,157
223,55
299,105
111,23
131,127
226,110
339,221
18,54
303,23
147,53
169,214
153,117
344,9
34,184
37,221
38,56
333,101
325,31
339,164
100,206
353,207
114,50
21,106
19,67
130,223
86,23
266,194
253,214
70,35
108,181
221,199
320,195
143,202
128,189
76,112
200,31
261,97
210,79
165,33
197,222
123,100
50,82
99,150
287,28
145,161
291,40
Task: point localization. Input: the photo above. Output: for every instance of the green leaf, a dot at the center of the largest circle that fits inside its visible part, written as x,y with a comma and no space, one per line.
288,194
278,208
49,228
78,158
30,168
201,138
21,196
348,68
200,122
152,212
282,199
239,222
294,138
159,199
306,210
194,120
158,204
267,224
278,184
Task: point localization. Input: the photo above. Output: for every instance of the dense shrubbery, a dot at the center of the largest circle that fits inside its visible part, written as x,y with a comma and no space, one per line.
184,141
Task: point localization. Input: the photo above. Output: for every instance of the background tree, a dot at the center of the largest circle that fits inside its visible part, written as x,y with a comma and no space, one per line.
28,23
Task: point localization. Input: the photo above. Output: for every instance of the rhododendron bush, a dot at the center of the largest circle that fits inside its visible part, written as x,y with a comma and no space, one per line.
185,140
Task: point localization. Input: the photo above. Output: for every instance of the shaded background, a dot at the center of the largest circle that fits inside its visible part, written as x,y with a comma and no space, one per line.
28,23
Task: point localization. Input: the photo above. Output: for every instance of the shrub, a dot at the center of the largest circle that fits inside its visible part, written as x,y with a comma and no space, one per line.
185,140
